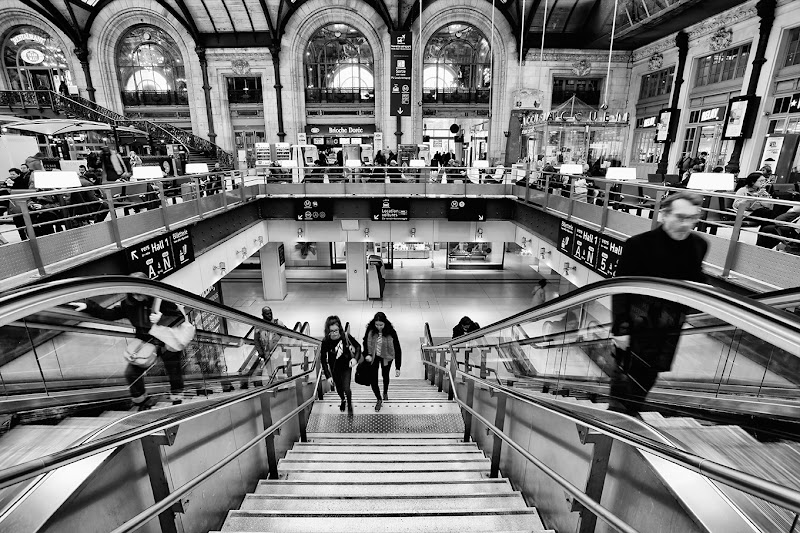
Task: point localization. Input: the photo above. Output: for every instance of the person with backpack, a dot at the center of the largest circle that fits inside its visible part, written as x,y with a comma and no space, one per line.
340,353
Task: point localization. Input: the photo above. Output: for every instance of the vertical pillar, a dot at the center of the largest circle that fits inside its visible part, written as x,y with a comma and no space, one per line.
82,53
766,12
275,50
201,55
273,271
682,42
356,271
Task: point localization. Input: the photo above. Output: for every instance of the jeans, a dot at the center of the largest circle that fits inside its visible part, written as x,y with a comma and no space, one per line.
172,363
342,376
386,370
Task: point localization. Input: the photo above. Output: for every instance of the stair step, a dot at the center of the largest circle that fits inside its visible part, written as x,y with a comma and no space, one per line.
340,448
380,438
414,477
336,504
383,489
381,457
385,522
479,465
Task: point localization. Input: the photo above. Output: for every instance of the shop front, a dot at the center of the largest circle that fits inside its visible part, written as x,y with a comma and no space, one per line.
334,136
654,92
703,135
34,60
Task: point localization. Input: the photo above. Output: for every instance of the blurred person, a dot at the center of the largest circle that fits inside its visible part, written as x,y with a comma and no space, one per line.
381,346
135,160
646,329
340,354
539,294
464,326
114,167
142,312
265,340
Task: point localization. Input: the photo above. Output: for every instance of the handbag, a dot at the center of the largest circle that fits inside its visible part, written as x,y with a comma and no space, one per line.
176,338
364,373
140,353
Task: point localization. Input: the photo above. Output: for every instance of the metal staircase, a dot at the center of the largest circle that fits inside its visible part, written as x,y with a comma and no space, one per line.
74,106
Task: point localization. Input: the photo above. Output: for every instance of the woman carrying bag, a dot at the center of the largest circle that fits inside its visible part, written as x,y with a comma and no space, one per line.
340,353
381,347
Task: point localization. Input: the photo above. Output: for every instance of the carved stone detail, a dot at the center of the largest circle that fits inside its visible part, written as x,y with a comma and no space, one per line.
576,56
656,60
582,67
241,67
721,40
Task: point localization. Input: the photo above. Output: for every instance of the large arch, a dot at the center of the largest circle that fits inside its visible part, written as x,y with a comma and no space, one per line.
308,18
114,19
505,68
15,15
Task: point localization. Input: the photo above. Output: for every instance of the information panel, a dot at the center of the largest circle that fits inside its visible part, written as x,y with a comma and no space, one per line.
161,256
467,210
401,57
390,209
599,252
311,210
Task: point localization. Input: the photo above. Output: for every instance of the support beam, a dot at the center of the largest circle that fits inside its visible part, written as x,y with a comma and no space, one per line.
201,55
275,50
682,42
82,53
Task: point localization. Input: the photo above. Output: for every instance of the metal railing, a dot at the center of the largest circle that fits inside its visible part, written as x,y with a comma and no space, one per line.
154,98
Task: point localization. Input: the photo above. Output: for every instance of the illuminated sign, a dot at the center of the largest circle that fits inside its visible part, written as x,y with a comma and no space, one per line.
28,37
32,56
649,122
564,116
712,114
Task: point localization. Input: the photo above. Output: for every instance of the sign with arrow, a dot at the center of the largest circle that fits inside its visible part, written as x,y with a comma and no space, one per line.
390,209
313,210
161,256
401,63
467,210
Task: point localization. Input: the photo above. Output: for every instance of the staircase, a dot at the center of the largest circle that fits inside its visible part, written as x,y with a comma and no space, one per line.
403,469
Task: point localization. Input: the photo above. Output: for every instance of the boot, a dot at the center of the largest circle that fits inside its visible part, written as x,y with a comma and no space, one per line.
378,405
385,396
341,405
350,404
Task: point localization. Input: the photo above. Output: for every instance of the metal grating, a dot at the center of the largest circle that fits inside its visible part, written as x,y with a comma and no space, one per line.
627,224
386,423
17,259
717,250
75,242
140,224
589,212
210,203
783,269
180,212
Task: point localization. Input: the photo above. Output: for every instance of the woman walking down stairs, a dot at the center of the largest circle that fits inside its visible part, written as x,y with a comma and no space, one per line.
404,469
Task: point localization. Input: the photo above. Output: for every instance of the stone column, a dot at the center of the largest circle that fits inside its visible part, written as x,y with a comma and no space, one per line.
273,271
275,50
766,12
356,271
201,55
682,42
82,53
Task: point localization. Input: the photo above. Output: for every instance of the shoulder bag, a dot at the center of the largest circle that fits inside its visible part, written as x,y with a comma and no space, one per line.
175,338
364,371
141,353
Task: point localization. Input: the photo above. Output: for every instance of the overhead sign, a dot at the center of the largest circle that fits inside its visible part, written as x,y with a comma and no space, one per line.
712,114
32,56
161,256
312,210
401,59
599,252
467,210
348,130
390,209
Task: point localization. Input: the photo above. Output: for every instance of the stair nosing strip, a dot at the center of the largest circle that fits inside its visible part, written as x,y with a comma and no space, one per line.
266,513
378,496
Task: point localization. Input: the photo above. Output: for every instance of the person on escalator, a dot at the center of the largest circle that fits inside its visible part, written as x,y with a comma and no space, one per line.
464,326
646,329
139,310
381,347
266,341
340,353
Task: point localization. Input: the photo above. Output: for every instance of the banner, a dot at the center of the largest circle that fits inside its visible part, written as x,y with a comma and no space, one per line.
400,74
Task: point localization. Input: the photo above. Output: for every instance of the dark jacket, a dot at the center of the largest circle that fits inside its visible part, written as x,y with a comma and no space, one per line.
458,330
138,314
655,324
329,361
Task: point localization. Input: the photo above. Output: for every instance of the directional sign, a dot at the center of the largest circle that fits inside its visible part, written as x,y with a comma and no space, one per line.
389,209
467,210
161,256
313,210
401,63
595,250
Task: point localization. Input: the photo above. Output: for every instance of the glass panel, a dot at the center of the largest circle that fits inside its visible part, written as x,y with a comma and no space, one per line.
456,63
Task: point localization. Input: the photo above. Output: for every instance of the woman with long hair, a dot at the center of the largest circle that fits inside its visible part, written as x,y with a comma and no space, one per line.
340,353
381,347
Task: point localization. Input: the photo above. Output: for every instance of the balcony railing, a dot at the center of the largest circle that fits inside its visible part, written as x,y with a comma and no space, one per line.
455,96
242,96
340,96
141,98
587,97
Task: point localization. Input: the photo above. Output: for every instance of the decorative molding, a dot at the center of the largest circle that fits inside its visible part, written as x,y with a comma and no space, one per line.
576,56
728,18
241,67
656,48
582,67
656,61
721,40
249,58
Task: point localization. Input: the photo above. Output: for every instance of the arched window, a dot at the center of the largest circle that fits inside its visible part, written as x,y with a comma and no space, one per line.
339,66
34,60
151,69
457,66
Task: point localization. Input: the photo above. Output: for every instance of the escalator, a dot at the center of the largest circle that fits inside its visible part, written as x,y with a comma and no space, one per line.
61,372
731,396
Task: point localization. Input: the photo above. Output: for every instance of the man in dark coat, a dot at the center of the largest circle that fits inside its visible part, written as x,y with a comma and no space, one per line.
464,326
646,329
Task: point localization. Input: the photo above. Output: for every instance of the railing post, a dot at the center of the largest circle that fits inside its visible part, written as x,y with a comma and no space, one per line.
156,461
163,197
266,416
225,191
595,480
604,214
467,353
432,371
451,383
546,190
656,209
484,372
499,420
112,212
733,244
287,361
527,182
440,371
571,205
424,366
242,192
198,196
301,416
32,242
467,414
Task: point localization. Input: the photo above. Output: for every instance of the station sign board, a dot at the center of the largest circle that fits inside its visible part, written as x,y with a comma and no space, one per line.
466,210
313,210
590,248
391,209
161,256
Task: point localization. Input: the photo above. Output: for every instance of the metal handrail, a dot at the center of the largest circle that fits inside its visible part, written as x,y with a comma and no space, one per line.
778,327
753,485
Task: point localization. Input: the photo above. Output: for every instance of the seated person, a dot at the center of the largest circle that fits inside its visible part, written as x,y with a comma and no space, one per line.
754,187
769,236
45,213
394,173
464,326
87,206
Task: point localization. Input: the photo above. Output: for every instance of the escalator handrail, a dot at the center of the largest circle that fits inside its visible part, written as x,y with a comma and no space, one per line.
21,303
780,328
428,336
17,473
753,485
